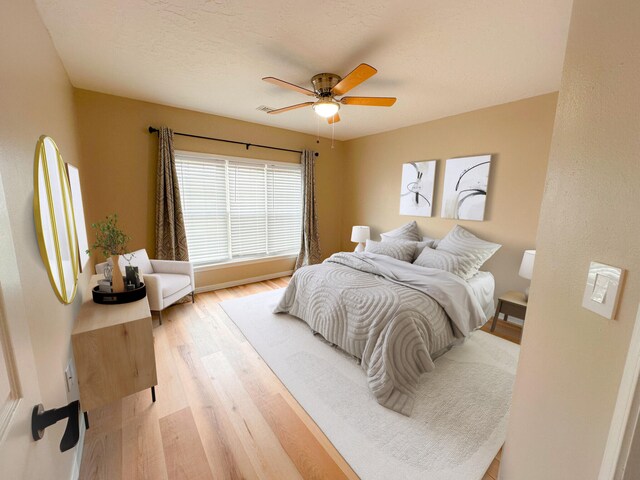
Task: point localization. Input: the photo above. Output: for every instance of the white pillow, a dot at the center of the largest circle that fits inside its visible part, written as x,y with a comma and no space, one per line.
399,250
471,251
139,259
408,231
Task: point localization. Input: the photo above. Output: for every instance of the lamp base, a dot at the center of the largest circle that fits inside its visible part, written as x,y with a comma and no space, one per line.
526,294
359,248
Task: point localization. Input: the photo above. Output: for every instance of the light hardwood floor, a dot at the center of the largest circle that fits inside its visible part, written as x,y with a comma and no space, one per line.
220,411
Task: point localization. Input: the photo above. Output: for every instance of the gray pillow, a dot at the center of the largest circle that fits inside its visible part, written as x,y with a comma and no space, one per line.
399,250
433,258
471,251
419,246
431,242
408,231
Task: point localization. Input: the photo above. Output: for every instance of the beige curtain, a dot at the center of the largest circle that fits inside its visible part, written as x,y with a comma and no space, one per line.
171,239
310,248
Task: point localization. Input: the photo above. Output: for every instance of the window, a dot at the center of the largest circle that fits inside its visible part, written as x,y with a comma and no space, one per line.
238,208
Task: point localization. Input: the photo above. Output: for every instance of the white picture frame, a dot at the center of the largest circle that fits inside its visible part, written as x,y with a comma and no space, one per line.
416,189
466,185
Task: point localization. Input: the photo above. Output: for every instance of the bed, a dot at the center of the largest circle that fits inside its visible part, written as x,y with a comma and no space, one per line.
396,317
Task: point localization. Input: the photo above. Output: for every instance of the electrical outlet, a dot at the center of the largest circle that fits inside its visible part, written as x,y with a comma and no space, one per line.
70,376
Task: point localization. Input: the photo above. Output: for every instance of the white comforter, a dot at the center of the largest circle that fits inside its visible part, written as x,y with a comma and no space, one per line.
393,315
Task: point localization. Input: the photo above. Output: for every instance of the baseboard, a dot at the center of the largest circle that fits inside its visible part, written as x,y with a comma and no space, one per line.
77,461
244,281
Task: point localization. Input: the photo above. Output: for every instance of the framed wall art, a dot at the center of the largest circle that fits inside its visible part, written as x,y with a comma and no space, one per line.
416,191
465,190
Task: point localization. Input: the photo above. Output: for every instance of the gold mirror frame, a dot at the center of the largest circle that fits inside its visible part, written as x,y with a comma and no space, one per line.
54,220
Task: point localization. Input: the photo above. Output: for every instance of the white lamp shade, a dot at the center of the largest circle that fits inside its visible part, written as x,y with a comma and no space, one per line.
526,267
326,108
360,234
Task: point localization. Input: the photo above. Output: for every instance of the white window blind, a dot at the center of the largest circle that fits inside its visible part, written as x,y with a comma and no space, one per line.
238,209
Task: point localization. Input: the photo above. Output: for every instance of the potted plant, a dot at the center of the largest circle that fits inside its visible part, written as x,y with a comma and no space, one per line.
112,242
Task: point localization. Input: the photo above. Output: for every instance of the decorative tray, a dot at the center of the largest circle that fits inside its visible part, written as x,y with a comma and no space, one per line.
113,298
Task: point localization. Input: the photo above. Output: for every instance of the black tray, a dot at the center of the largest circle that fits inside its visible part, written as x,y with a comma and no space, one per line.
127,296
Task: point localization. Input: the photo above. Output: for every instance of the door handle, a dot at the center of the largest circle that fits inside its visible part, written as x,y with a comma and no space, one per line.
41,419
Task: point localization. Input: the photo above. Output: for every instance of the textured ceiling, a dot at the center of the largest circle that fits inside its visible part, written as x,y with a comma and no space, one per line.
439,57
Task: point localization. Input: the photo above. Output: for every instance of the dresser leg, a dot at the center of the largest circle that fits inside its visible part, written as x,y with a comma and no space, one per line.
86,420
153,393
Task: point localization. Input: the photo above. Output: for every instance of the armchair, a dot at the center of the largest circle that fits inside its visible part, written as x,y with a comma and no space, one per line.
167,281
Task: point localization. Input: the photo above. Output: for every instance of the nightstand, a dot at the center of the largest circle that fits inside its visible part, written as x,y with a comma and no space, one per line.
113,350
511,303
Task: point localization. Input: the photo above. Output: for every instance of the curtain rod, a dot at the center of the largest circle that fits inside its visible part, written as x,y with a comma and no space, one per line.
247,145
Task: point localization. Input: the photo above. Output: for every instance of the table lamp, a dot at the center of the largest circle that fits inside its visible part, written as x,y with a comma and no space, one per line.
526,268
360,234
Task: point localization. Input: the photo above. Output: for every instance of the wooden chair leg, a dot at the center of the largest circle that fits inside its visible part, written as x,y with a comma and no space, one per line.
193,297
160,316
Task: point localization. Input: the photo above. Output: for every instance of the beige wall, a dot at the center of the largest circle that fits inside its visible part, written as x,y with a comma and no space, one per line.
572,359
121,157
517,134
36,98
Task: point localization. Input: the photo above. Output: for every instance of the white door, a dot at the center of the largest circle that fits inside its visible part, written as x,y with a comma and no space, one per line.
20,456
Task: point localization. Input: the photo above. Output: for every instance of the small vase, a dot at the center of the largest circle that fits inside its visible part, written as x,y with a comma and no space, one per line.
117,282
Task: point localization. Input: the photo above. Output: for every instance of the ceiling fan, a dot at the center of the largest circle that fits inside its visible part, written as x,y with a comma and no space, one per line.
328,86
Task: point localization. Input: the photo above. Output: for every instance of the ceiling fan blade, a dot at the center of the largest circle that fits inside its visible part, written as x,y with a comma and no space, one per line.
290,107
334,119
369,101
290,86
359,74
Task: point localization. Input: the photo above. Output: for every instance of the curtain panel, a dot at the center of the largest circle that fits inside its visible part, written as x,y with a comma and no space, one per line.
171,238
310,246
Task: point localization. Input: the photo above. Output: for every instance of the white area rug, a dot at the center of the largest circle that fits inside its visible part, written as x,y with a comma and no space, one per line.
456,428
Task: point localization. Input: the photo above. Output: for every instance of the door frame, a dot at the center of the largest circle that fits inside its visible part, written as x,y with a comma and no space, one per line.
626,413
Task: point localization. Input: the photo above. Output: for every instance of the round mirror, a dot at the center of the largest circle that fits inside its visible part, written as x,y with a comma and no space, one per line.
53,216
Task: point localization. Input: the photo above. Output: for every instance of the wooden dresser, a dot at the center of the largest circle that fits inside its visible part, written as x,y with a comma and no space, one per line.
113,351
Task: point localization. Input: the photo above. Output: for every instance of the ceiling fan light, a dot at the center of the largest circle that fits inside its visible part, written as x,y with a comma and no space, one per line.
326,108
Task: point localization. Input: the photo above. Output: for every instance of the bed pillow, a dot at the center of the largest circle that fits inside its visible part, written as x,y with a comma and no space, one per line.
471,251
432,258
408,231
419,246
431,242
399,250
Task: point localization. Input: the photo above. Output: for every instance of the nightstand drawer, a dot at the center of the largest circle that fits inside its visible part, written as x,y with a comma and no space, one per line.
513,310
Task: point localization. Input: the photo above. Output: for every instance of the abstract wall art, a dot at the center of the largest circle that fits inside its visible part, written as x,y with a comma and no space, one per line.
416,191
465,187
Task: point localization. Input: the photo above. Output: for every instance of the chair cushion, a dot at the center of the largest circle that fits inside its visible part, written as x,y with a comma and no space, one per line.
172,283
139,259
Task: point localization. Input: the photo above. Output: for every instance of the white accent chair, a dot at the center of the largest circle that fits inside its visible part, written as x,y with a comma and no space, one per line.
167,281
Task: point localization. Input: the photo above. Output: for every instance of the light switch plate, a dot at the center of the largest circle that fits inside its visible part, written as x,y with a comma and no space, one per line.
604,284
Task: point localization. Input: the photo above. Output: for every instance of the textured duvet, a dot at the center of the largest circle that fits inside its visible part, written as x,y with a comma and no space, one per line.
394,316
